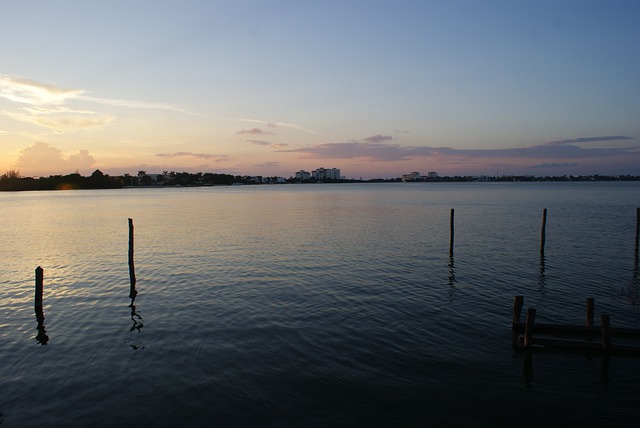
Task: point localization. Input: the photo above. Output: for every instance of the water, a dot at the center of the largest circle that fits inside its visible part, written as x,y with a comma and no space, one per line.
313,305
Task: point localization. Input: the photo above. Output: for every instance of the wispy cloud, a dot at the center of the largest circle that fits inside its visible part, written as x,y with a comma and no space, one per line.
133,104
44,105
268,144
378,138
591,139
554,165
59,120
207,156
25,91
277,125
254,131
268,164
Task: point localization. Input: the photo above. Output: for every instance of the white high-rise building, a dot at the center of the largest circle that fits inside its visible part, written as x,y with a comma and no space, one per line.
326,174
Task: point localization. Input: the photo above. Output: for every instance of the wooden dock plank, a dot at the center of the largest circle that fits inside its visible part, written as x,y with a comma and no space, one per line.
579,330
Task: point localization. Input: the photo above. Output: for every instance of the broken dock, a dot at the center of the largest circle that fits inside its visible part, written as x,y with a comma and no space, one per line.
604,338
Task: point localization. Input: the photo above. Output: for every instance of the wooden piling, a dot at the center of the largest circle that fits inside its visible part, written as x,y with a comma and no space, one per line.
39,287
451,232
528,330
132,273
590,308
606,332
518,301
543,231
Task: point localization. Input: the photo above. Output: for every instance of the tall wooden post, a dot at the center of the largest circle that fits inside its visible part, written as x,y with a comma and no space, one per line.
518,301
451,232
132,272
39,287
543,231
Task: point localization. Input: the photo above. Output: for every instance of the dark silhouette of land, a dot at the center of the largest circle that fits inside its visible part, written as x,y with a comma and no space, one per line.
12,181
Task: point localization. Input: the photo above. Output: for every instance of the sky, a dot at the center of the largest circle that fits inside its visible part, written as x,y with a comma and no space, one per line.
376,88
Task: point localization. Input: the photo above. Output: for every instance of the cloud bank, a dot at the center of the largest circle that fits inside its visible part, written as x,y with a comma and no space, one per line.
39,157
376,149
206,156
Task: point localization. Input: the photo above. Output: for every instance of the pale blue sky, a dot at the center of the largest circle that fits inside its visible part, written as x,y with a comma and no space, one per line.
375,88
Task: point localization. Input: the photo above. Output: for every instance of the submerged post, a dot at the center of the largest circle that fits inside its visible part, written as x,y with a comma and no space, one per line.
543,231
590,307
132,273
606,332
451,224
528,329
39,287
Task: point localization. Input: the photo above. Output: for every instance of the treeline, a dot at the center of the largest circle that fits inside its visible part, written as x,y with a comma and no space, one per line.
11,181
188,179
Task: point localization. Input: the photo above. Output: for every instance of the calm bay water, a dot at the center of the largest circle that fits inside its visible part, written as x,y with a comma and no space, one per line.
313,305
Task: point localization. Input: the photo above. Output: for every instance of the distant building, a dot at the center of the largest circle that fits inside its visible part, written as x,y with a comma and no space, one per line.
432,174
303,175
274,180
414,176
326,174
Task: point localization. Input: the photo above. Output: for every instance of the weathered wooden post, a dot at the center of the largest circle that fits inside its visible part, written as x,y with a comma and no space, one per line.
606,332
132,272
518,301
543,231
39,287
590,308
451,227
528,328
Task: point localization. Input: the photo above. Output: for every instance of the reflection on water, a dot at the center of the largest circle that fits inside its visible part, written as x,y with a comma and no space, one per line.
309,303
632,290
528,367
452,270
136,318
542,280
42,337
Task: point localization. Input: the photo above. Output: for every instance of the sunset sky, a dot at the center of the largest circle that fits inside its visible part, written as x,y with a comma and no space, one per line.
375,88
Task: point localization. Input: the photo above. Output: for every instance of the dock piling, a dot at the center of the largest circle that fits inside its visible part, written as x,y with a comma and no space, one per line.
590,309
39,287
543,231
132,271
451,232
518,301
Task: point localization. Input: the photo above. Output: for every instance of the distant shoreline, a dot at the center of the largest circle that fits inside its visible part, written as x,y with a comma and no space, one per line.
102,181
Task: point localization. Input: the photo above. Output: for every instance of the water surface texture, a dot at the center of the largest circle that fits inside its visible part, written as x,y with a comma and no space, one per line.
314,305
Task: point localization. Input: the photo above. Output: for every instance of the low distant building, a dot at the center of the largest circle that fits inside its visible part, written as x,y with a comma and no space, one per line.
274,180
432,174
